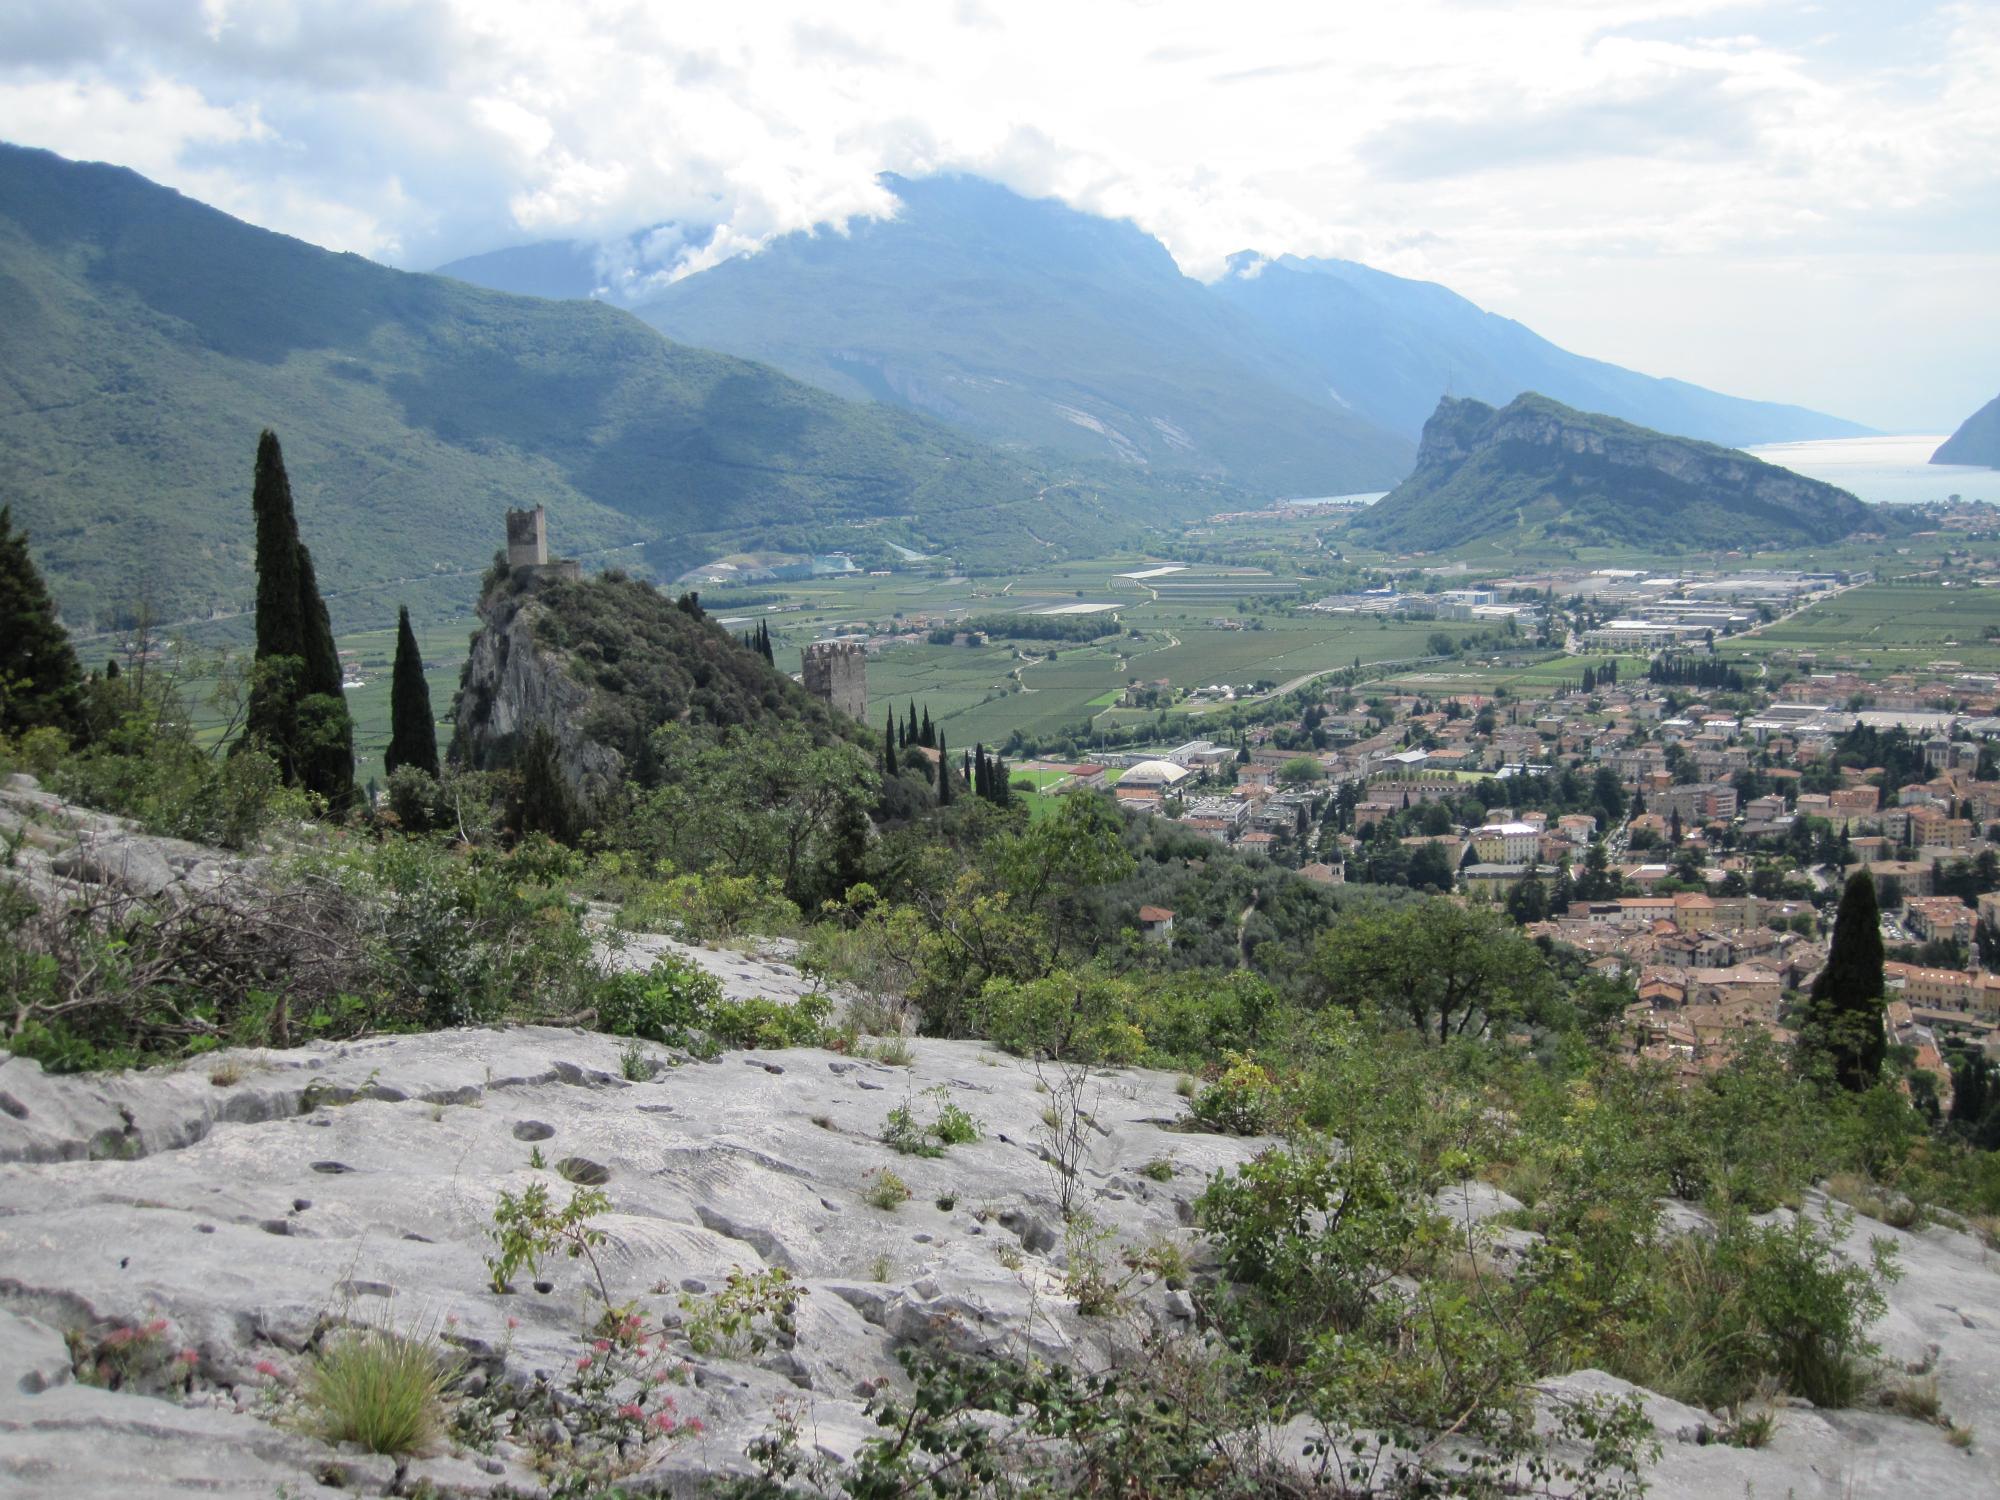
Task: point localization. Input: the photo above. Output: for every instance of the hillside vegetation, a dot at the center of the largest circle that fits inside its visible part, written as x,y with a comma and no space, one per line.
143,336
1538,471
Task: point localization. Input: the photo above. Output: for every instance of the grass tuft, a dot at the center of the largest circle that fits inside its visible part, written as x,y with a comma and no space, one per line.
380,1389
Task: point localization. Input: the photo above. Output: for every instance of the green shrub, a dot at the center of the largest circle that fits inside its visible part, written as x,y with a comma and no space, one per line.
669,1003
948,1125
1243,1101
885,1190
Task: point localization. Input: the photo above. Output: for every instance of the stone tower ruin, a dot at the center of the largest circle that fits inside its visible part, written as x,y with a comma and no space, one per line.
528,538
528,548
836,673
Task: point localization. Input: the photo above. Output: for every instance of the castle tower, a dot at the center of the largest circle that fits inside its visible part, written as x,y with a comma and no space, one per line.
527,538
836,673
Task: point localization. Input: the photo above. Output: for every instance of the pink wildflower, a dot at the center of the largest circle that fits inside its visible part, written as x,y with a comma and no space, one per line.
188,1357
155,1328
583,1361
451,1320
631,1411
513,1322
118,1338
265,1368
663,1421
602,1346
694,1425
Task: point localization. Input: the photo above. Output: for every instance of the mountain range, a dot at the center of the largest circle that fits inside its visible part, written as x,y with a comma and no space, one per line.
1033,324
146,338
1537,472
1977,440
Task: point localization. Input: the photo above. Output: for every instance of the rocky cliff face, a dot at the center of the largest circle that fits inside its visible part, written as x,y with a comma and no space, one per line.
1539,466
1977,440
514,682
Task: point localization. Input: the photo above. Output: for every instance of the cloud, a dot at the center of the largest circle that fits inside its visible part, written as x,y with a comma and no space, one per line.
1497,147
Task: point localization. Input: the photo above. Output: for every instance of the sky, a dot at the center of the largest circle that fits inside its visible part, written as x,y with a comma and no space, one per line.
1789,201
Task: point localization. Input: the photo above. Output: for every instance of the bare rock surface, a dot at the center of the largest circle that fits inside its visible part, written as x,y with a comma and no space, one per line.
255,1197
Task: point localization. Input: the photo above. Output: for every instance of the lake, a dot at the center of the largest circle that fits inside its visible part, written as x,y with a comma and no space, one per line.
1891,470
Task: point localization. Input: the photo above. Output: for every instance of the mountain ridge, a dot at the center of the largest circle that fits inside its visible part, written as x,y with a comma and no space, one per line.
1537,470
1083,331
145,338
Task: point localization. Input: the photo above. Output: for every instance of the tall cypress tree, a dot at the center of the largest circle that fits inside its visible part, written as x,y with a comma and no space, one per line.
929,739
412,723
1844,1011
273,716
41,685
889,744
979,770
943,775
996,777
910,733
297,708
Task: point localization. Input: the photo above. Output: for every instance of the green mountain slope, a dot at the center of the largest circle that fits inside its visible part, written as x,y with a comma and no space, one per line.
145,339
1027,323
1538,471
1977,440
1031,323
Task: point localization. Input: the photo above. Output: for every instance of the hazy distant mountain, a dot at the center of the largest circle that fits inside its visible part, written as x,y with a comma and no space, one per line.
1390,347
1536,471
1977,440
1028,322
145,339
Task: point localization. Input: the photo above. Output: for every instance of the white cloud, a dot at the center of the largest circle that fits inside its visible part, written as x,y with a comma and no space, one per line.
1517,151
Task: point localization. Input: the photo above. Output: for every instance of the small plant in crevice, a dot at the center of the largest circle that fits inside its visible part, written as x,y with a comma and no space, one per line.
608,1415
633,1063
528,1228
885,1190
753,1309
131,1356
949,1125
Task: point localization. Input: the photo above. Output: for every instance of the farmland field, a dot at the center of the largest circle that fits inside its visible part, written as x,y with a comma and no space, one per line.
1885,628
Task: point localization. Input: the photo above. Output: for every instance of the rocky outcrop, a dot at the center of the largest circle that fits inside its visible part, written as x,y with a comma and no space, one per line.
60,851
513,683
245,1203
1977,440
1538,466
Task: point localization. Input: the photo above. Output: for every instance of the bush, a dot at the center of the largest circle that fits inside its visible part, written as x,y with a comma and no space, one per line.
679,1003
379,1389
671,1002
704,908
1243,1101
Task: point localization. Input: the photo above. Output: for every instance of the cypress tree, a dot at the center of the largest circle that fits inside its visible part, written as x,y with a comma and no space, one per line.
889,744
1003,793
326,730
943,775
41,685
1844,1010
272,716
979,771
412,723
910,734
929,740
297,709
